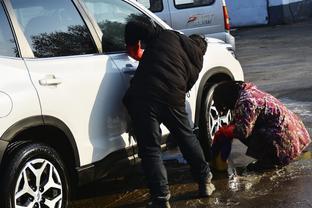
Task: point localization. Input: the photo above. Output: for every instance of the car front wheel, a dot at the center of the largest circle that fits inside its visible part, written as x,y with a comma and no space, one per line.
211,120
35,177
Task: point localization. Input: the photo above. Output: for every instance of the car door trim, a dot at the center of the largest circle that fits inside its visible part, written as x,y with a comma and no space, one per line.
12,30
90,23
22,42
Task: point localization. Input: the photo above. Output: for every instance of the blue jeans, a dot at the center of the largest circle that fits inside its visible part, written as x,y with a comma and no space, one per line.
146,118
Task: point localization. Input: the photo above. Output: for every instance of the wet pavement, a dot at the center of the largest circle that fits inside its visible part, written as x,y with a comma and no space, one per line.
286,187
277,59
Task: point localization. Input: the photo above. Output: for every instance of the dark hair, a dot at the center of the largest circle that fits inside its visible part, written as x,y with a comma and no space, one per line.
139,30
226,94
200,42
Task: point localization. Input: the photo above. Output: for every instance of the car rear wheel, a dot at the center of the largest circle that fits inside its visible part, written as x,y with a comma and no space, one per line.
211,120
35,177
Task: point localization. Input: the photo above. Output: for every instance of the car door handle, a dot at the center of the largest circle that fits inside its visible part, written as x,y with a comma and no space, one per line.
129,69
50,80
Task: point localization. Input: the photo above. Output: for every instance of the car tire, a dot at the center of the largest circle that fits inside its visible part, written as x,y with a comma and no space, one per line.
210,120
47,181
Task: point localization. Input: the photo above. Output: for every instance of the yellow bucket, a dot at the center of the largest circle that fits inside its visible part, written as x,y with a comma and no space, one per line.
219,164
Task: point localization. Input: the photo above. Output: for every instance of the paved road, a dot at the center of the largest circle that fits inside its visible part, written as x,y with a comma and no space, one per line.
279,60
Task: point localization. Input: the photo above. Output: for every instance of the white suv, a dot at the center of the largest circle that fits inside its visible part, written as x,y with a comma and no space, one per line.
63,73
207,17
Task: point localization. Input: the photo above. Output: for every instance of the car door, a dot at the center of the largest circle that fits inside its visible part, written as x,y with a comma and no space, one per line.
16,89
75,83
197,16
111,17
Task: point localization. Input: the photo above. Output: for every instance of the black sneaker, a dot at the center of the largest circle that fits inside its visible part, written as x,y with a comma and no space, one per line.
159,204
205,187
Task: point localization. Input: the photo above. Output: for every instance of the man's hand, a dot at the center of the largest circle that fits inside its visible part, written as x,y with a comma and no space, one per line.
135,51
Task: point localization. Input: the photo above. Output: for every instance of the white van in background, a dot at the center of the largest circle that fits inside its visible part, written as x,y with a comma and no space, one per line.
207,17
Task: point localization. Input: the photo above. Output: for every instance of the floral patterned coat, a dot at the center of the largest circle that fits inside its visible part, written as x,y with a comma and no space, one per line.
267,127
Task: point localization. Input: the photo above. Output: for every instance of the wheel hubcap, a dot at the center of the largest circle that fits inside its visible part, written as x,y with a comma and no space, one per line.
39,185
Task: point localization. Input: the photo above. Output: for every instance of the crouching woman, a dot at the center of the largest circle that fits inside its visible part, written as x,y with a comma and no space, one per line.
273,134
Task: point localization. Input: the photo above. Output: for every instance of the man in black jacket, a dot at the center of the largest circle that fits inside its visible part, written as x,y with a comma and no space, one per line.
168,69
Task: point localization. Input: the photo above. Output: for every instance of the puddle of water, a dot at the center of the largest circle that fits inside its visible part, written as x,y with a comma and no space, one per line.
285,187
236,187
226,202
250,188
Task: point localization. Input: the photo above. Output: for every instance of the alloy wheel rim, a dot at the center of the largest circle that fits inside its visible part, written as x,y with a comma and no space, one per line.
39,185
215,119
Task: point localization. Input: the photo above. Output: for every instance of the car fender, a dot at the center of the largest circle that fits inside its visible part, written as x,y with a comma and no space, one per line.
219,65
36,121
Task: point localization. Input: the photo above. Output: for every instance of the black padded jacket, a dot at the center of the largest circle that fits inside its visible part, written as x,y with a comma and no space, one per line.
169,68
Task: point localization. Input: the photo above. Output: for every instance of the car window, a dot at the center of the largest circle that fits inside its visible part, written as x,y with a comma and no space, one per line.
112,16
7,43
152,5
183,4
53,28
